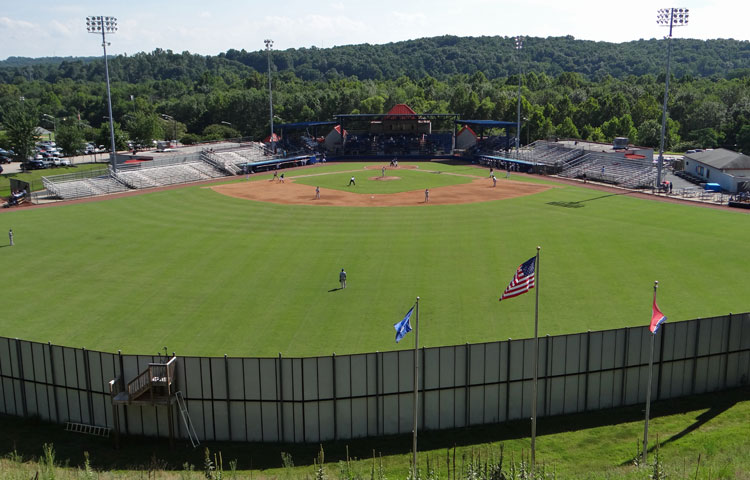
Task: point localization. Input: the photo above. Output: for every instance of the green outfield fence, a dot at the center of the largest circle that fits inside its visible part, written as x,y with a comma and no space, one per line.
340,397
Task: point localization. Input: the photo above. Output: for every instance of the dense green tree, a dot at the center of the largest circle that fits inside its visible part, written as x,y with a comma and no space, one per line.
71,137
649,133
20,122
567,129
219,132
102,137
592,85
143,128
743,139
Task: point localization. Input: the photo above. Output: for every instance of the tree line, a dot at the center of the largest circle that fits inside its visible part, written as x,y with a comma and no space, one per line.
568,89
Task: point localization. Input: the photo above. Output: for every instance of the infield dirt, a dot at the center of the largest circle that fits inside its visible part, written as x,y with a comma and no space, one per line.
291,193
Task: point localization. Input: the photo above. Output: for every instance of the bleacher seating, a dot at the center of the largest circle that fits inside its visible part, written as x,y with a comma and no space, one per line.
149,177
137,176
233,161
613,169
84,187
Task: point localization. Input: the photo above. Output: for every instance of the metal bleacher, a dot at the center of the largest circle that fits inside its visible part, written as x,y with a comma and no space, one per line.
85,184
613,169
104,181
147,176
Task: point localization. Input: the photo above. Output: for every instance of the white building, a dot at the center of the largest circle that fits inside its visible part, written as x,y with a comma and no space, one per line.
731,170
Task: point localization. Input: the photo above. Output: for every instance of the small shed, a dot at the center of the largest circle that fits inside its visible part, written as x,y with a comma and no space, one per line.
731,170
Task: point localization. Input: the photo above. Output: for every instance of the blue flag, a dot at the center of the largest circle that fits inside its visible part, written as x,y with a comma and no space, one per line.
404,326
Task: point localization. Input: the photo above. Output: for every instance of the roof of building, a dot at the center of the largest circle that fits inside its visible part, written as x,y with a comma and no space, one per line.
722,159
337,129
466,128
400,109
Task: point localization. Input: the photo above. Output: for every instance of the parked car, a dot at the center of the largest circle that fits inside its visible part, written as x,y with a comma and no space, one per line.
1,169
36,164
5,159
65,162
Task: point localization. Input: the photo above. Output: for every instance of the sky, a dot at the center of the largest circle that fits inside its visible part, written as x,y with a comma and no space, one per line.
46,28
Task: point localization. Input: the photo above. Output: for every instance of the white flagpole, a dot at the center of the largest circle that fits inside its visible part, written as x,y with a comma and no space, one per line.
535,364
648,389
416,393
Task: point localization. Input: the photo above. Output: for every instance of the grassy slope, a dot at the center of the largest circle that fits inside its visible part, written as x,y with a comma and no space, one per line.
206,274
595,445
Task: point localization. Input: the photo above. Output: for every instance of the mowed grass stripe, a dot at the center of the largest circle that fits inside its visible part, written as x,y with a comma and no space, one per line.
207,274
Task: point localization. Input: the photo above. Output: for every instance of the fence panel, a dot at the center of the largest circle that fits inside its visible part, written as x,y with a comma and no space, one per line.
351,396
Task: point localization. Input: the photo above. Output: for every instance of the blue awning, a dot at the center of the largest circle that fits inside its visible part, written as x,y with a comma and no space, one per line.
486,123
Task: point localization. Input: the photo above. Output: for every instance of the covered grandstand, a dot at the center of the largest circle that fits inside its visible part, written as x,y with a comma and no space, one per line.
400,131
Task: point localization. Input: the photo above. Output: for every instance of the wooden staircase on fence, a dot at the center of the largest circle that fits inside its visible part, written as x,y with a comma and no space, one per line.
153,385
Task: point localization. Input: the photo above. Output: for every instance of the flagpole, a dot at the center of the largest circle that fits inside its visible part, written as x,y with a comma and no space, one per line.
416,394
535,364
648,388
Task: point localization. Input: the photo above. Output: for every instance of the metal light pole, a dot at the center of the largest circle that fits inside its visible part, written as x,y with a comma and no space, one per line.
269,46
104,25
667,17
519,46
174,124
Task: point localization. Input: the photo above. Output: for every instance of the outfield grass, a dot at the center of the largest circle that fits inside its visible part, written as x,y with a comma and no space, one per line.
206,274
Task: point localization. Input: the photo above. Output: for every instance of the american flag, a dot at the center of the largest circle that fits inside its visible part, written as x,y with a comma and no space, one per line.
523,281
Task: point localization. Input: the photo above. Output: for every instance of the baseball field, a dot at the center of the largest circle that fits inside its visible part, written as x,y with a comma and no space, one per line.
250,267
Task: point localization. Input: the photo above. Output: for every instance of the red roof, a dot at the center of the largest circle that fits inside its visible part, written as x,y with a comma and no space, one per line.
466,127
400,109
338,129
635,156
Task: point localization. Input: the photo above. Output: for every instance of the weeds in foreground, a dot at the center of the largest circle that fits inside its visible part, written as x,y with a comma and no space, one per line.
488,463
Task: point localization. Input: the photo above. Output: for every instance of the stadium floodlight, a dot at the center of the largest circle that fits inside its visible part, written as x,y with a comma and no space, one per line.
106,25
519,46
269,47
667,17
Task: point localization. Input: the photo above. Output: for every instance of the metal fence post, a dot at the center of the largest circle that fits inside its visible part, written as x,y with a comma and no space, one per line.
229,403
21,378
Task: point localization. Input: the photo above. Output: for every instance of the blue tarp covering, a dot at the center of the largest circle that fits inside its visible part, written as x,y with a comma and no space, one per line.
714,187
279,161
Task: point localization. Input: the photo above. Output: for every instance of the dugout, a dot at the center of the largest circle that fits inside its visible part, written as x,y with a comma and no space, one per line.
18,186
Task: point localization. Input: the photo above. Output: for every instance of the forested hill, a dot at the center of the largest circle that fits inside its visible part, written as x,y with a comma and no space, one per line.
439,57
